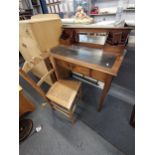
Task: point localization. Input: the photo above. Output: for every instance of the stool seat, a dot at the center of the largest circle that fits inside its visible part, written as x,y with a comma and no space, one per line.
63,92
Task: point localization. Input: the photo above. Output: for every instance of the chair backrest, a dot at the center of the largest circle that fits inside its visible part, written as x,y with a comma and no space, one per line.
29,65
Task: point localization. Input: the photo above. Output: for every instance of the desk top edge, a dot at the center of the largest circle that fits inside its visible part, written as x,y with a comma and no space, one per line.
96,27
110,71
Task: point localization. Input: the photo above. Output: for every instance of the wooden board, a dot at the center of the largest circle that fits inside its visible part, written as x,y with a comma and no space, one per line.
37,36
47,33
38,16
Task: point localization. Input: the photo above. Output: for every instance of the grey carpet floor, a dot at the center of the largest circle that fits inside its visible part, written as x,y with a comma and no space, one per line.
109,126
112,122
59,137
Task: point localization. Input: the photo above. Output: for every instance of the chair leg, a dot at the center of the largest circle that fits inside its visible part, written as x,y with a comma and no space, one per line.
52,106
72,118
80,94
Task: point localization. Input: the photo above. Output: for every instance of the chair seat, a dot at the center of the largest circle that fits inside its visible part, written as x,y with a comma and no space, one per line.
63,93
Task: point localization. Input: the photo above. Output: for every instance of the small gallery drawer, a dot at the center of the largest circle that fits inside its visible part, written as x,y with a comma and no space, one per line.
98,75
82,70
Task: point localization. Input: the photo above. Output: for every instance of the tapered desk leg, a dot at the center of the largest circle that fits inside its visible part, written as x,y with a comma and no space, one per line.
104,92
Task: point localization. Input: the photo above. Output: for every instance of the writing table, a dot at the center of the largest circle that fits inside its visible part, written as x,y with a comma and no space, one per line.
99,64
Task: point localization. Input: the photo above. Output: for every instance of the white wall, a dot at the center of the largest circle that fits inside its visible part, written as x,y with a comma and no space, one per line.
129,15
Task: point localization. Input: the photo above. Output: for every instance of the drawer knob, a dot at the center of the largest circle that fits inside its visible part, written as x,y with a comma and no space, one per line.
24,45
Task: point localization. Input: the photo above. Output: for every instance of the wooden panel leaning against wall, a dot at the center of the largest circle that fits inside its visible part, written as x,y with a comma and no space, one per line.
36,36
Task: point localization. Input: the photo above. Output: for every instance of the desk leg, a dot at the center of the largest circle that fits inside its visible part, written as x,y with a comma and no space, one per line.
104,92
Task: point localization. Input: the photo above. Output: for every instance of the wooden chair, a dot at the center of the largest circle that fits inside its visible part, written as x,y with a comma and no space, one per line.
61,95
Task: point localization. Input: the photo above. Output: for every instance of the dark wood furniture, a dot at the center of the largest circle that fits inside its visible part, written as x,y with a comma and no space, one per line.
102,63
25,105
94,63
116,36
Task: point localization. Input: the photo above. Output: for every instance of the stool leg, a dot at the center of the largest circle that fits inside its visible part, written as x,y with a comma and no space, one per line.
80,94
72,118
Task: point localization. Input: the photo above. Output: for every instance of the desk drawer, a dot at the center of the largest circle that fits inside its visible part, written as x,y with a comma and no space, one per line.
74,68
98,75
82,70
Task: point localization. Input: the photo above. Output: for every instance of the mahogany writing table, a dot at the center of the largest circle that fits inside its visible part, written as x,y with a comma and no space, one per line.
99,64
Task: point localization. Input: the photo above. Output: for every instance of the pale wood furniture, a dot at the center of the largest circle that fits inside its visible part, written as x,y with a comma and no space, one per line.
61,95
36,36
25,105
51,16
